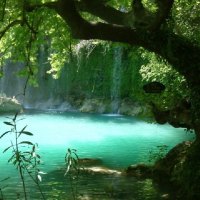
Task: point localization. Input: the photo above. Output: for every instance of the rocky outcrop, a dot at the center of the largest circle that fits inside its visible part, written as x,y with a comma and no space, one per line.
140,170
97,105
169,167
130,108
9,105
179,116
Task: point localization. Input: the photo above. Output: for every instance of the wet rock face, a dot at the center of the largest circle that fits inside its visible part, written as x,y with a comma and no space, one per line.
9,105
125,107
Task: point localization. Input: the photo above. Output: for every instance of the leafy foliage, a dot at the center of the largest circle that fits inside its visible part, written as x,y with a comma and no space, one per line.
186,19
23,39
157,69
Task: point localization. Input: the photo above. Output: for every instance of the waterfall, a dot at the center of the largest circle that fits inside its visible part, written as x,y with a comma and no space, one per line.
116,79
89,74
49,94
10,84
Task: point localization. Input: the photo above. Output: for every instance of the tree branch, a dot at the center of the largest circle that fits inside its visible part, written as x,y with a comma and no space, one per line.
164,8
138,17
13,23
167,45
102,10
32,7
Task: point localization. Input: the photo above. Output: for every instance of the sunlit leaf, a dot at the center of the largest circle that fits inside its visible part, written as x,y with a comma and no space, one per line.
40,172
39,178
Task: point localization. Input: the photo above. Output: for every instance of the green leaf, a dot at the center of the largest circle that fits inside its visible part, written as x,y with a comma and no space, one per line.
26,142
27,133
11,158
8,123
23,129
4,179
38,156
7,148
15,116
4,134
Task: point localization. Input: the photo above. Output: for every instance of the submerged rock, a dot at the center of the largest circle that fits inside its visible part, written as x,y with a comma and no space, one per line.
100,170
93,166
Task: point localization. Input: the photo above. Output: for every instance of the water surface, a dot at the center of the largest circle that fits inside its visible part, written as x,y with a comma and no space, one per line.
117,141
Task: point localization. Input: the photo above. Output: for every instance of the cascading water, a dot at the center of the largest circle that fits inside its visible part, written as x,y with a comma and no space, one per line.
10,84
116,79
50,93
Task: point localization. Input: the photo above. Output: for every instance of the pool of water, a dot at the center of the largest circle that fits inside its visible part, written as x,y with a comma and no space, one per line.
117,141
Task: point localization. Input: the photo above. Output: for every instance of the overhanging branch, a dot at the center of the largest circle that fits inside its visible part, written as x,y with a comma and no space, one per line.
13,23
102,10
164,8
32,7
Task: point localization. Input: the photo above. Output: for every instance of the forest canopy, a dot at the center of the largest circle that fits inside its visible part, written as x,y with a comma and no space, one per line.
164,34
168,28
163,27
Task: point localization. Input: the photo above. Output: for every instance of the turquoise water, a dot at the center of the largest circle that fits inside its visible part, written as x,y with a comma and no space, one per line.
117,140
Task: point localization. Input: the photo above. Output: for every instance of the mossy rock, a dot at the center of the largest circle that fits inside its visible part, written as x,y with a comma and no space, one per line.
140,170
9,105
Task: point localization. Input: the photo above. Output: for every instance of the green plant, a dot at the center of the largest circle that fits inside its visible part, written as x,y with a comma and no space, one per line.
158,153
72,170
24,155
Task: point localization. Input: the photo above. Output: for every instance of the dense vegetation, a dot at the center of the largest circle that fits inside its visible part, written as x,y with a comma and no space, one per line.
168,29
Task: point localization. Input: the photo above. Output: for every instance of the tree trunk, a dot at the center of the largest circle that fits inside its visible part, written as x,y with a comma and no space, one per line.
187,176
